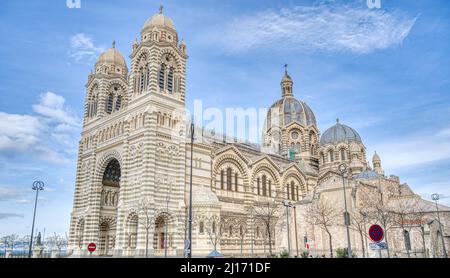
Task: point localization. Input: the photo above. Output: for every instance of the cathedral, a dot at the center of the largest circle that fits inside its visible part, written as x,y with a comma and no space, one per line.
134,170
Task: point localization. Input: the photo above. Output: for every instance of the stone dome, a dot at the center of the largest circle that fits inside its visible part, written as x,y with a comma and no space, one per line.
340,133
376,158
160,21
288,110
112,56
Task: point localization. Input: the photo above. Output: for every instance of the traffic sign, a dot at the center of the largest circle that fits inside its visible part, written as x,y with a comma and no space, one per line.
92,247
376,233
378,246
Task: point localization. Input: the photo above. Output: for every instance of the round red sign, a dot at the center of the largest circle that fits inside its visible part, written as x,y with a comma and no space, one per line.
376,233
92,247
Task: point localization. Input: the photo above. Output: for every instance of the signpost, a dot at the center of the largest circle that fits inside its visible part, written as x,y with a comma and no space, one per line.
92,247
376,233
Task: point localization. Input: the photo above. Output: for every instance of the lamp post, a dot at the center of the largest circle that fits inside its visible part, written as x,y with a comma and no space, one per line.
288,205
37,186
190,190
166,227
343,170
295,225
435,198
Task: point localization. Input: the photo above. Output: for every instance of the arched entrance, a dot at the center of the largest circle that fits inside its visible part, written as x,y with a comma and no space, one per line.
162,237
108,207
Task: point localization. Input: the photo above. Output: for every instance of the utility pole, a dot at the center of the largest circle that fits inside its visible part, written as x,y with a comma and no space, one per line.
436,198
343,170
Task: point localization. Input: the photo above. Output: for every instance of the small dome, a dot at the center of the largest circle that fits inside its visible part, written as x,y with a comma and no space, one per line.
112,57
376,158
340,133
159,20
367,175
286,78
289,109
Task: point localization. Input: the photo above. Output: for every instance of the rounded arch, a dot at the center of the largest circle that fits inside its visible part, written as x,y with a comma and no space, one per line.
174,55
143,53
232,159
268,168
299,180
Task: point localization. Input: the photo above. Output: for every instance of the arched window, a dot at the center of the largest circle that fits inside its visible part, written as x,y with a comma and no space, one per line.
230,230
118,103
323,158
258,186
161,77
257,231
241,231
201,228
270,188
142,81
222,174
287,192
213,227
109,104
236,182
148,76
170,81
293,191
111,176
331,156
342,154
95,104
229,179
264,185
299,148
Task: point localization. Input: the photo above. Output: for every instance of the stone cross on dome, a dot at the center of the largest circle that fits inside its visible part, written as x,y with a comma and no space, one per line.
161,8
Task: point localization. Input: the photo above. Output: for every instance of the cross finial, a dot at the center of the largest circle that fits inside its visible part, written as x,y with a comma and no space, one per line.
161,8
114,44
285,68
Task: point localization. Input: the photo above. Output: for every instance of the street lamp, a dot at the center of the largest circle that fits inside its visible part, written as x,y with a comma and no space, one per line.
37,186
343,169
190,190
435,198
166,228
288,205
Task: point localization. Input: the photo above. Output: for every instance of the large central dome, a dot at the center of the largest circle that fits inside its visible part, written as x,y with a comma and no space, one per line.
289,109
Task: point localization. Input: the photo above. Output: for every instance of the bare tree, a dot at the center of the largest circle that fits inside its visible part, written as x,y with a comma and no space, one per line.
267,213
214,230
375,200
145,208
57,241
407,213
323,215
358,224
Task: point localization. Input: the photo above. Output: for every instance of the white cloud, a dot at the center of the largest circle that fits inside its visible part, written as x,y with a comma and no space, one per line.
83,49
415,149
48,135
325,27
11,193
52,106
18,132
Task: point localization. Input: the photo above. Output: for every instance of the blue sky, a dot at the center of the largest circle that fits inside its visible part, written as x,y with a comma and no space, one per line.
384,72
